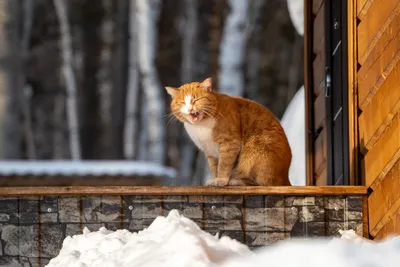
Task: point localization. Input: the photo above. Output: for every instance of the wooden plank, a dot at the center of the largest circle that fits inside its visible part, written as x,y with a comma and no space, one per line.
385,195
362,7
365,217
319,112
308,91
390,228
380,111
389,36
352,92
322,179
316,6
378,73
320,152
370,30
182,190
319,29
319,74
381,158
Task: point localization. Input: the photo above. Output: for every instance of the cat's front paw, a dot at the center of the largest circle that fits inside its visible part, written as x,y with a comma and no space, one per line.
217,182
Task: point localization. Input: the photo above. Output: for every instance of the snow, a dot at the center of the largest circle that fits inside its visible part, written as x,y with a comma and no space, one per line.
99,167
169,241
177,241
296,12
293,122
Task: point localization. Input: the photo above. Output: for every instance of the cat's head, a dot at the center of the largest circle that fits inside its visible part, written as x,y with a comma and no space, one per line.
193,102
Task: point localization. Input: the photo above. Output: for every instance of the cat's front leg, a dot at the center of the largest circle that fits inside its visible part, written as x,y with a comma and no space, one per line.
213,165
228,153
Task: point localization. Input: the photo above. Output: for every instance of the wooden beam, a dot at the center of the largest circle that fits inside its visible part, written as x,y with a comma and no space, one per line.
183,190
352,91
308,91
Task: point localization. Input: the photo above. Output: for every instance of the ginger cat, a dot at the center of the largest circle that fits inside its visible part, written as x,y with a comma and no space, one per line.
243,141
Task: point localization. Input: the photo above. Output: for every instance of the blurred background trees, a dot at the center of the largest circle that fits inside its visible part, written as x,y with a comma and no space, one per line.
122,54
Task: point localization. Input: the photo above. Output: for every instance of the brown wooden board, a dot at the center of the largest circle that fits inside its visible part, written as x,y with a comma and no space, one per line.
385,196
316,6
322,178
319,112
183,190
381,158
370,30
370,83
319,74
390,228
318,29
362,6
320,153
389,37
380,111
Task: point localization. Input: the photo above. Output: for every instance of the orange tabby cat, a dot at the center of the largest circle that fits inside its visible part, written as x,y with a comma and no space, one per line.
243,141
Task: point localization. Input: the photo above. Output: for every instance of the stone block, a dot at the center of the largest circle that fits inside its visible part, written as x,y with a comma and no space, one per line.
48,218
4,217
335,202
312,214
354,203
8,261
270,219
9,206
146,210
21,240
28,205
76,229
228,211
304,201
308,229
51,238
139,224
264,238
70,209
276,201
193,211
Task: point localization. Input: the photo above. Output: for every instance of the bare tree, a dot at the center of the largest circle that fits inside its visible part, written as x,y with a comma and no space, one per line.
25,91
254,49
188,74
132,107
70,81
147,17
232,55
9,106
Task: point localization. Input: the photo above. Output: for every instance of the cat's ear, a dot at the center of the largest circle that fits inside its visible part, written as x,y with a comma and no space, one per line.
207,84
172,91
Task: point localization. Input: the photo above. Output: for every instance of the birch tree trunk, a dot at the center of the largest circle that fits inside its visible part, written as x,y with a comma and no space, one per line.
9,104
72,114
147,15
233,46
132,103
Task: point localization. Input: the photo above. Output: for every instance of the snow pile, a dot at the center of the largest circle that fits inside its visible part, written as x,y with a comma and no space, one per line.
177,241
316,253
169,241
296,12
293,122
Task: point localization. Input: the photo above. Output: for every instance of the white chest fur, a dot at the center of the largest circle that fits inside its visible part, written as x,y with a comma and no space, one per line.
201,134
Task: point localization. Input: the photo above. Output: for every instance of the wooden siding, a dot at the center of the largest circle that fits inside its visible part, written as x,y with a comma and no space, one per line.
378,91
316,94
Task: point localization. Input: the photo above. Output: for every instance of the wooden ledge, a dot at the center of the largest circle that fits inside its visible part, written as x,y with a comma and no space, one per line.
182,190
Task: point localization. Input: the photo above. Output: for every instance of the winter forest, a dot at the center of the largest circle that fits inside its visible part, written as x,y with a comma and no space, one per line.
84,79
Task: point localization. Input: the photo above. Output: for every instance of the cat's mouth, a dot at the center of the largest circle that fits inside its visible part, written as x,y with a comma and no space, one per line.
196,116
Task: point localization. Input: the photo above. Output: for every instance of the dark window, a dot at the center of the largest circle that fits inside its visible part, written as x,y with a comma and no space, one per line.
336,91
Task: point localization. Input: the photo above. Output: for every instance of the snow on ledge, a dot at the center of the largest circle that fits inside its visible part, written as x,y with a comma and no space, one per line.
82,168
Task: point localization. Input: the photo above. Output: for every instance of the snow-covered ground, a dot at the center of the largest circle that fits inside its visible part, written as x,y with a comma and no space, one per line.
176,241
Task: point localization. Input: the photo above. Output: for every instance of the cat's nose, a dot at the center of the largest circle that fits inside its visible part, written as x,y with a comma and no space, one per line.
190,109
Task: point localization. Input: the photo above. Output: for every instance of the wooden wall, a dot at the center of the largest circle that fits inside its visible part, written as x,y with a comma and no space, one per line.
378,85
317,126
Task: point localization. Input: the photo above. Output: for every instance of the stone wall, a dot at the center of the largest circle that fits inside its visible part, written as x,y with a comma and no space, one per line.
33,229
